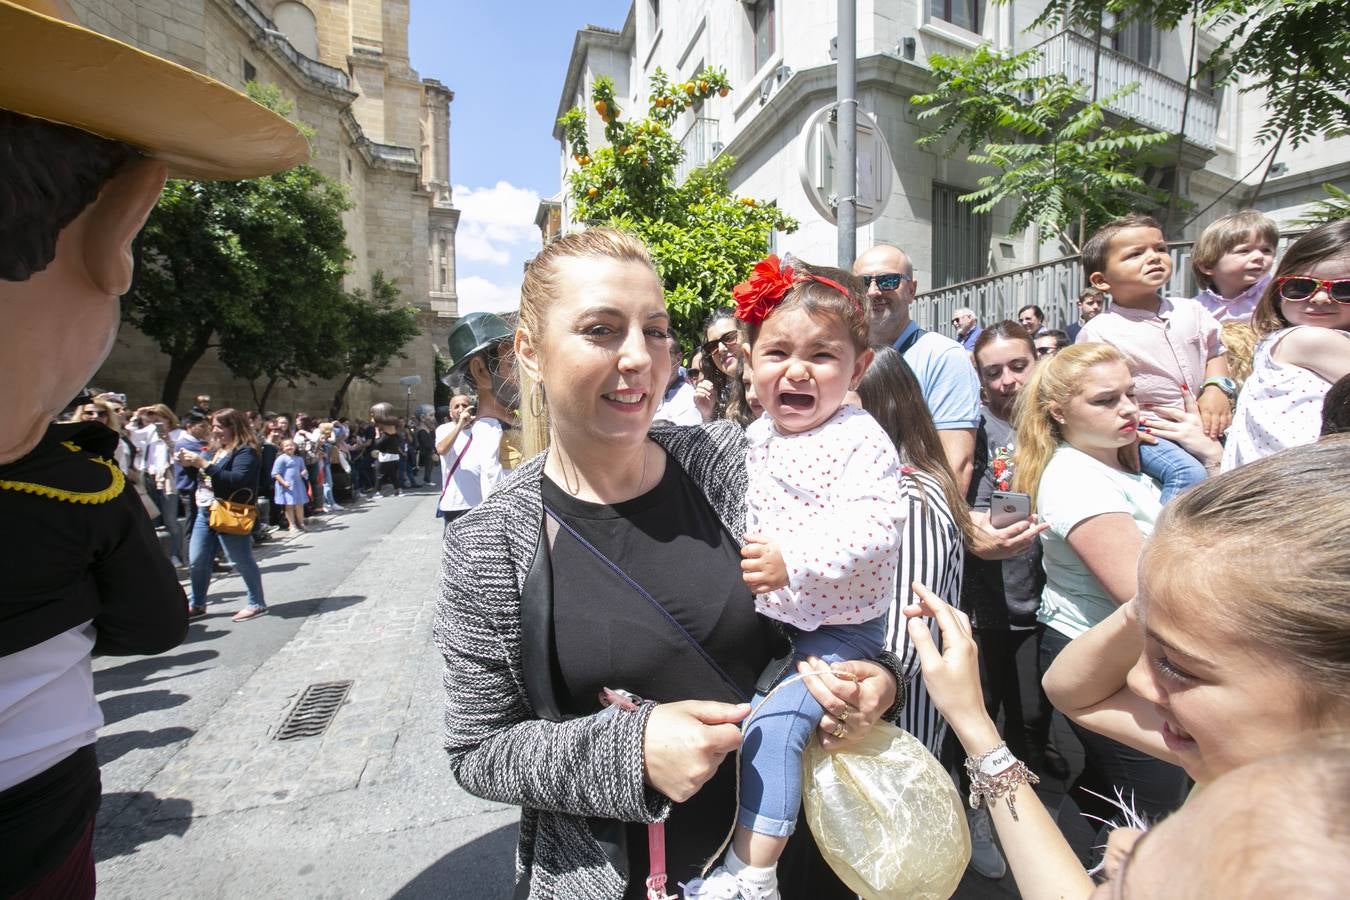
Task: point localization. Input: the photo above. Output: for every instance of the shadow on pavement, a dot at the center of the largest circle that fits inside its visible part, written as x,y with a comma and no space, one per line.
115,746
484,868
298,609
154,819
115,709
137,672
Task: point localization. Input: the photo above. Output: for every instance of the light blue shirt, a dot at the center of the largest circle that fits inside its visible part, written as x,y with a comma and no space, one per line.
946,377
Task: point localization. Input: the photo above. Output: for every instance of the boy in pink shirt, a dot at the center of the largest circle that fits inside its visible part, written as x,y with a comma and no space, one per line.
1172,343
1232,261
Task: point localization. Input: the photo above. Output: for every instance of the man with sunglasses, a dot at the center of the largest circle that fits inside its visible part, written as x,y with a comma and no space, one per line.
967,327
941,365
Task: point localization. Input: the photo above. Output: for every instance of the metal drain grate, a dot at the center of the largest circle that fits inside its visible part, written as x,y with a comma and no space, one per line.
314,711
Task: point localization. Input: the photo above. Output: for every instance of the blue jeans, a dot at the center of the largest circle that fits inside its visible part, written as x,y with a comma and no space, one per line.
238,549
771,751
1171,466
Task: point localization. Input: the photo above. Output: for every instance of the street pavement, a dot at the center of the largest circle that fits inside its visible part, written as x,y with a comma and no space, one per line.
200,800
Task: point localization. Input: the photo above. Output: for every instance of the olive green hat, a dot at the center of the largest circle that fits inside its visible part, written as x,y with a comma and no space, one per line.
475,333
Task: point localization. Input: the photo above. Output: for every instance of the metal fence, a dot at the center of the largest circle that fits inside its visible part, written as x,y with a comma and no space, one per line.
1157,102
1054,286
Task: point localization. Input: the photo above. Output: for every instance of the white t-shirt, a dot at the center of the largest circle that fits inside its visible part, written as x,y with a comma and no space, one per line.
1076,487
1280,406
678,407
47,705
479,470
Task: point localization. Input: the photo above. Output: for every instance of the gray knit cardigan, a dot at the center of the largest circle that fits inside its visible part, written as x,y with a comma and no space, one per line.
559,772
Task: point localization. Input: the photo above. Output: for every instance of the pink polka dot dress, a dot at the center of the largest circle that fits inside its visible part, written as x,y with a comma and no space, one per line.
830,497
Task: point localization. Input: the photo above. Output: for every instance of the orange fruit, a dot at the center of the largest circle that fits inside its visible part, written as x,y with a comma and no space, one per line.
602,108
592,192
723,91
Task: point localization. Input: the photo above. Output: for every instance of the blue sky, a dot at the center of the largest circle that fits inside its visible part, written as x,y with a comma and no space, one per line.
506,63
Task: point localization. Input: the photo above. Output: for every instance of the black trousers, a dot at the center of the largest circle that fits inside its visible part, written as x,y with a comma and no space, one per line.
1151,786
1010,675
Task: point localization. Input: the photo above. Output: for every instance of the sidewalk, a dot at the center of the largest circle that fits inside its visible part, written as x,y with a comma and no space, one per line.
368,809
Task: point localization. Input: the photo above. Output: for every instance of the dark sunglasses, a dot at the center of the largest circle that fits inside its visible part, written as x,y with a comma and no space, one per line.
1303,287
887,281
728,340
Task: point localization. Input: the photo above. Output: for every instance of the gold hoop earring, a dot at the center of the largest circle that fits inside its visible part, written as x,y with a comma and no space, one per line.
537,400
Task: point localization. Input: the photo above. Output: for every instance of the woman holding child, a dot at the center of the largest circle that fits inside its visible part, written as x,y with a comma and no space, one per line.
534,621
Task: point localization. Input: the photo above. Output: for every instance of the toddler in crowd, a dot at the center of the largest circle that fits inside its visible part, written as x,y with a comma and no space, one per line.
290,476
825,510
1302,322
1232,261
1172,344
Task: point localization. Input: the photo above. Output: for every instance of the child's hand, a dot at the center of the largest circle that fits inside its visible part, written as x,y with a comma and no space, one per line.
1215,410
762,565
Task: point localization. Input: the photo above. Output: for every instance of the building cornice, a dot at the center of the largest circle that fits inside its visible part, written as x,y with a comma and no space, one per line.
309,74
592,36
380,156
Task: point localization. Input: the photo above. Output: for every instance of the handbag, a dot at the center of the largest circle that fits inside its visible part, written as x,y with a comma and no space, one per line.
228,517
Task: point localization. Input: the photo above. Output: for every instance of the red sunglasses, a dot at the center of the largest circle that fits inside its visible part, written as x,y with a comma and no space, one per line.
1304,287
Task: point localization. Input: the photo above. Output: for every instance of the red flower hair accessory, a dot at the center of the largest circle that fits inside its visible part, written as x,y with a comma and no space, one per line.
766,287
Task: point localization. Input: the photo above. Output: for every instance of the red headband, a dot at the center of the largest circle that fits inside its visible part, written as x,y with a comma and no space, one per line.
768,284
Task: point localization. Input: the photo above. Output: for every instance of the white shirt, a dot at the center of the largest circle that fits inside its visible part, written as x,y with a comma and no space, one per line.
1280,406
831,499
47,704
479,470
678,407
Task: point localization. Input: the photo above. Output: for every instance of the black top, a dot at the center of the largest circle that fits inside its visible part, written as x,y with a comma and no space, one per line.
235,476
90,556
606,634
1002,594
269,453
389,443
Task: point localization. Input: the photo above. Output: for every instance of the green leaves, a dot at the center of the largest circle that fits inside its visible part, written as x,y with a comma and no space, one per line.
703,237
1057,159
1332,208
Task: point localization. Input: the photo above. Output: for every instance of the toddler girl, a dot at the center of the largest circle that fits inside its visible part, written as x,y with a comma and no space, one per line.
1302,321
290,476
825,509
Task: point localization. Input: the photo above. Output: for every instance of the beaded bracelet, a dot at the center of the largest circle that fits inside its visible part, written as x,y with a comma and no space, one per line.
996,774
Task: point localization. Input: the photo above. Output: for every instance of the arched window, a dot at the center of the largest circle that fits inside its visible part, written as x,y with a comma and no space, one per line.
297,22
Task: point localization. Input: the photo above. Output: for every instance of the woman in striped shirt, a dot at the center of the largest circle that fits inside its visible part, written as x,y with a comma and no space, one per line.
932,548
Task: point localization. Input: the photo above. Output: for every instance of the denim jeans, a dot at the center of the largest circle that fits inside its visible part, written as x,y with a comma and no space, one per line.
771,753
1171,466
238,549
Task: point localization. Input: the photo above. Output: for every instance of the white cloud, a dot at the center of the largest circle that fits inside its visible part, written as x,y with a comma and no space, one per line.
478,294
496,224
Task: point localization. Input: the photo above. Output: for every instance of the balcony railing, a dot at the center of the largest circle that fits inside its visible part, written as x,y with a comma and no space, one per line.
1156,102
320,72
1054,286
699,147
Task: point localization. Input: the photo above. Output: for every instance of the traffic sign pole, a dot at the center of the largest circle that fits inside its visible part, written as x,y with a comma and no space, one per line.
847,184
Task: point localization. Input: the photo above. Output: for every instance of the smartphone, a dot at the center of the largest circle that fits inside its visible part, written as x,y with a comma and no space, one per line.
1007,507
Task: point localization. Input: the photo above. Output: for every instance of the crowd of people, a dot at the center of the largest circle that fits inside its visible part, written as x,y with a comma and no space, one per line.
1062,519
290,468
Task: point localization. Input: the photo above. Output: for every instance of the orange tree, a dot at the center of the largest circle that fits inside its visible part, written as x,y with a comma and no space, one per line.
703,237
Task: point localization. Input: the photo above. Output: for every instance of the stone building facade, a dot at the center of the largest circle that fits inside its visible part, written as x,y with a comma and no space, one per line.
380,130
779,56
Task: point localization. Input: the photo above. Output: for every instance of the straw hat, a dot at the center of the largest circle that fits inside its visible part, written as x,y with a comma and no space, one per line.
55,69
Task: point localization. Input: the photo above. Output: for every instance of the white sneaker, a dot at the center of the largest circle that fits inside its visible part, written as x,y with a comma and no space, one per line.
722,885
985,856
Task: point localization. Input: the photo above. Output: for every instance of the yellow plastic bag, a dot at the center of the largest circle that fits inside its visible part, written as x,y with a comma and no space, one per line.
886,816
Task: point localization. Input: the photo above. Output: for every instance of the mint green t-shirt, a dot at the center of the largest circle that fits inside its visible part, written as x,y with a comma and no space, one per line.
1076,487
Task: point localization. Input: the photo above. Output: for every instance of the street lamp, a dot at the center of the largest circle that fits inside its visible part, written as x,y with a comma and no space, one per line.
409,382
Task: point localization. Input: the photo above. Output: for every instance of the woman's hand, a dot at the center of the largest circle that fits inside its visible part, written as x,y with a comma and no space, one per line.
854,693
1012,540
1184,427
952,677
705,397
685,742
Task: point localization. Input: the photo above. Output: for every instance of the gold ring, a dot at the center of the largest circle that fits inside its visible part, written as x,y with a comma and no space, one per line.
838,730
843,716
